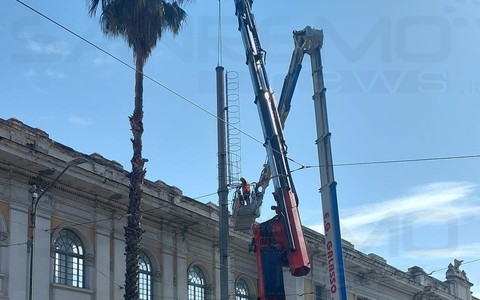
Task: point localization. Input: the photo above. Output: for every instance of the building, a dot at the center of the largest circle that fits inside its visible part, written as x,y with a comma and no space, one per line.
67,210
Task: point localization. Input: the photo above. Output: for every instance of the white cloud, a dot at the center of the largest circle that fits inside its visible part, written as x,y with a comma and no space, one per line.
421,203
51,48
51,73
467,250
101,61
75,120
54,74
375,224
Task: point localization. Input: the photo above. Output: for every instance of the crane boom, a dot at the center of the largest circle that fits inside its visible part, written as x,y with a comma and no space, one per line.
310,41
290,82
278,241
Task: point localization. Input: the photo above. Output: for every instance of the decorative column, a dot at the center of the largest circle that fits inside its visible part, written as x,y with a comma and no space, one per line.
169,280
117,263
42,260
18,272
182,268
100,263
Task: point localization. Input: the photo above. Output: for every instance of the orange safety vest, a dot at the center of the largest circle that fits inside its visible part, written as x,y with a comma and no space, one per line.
245,188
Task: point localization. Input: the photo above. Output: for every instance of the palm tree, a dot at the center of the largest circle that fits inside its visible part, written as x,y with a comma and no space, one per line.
141,23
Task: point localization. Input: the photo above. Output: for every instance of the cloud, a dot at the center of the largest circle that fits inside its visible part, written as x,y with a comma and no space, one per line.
375,224
421,203
50,48
75,120
467,250
54,74
101,61
51,73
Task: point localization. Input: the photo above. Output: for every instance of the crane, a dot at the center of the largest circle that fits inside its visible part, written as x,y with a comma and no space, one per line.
280,241
310,41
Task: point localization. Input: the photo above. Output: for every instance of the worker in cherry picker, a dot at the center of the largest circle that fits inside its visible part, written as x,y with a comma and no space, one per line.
245,190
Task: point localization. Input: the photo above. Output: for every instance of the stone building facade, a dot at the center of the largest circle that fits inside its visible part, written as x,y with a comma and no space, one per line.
77,238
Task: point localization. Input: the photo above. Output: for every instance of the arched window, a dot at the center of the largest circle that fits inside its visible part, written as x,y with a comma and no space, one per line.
196,284
241,290
144,277
69,258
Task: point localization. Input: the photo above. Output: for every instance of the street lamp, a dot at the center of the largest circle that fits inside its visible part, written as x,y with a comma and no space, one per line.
33,214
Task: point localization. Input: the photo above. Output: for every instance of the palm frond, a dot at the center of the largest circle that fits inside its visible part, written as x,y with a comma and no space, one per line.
140,22
174,17
182,2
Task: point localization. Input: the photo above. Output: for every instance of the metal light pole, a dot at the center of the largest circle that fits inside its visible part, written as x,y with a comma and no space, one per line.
33,215
222,184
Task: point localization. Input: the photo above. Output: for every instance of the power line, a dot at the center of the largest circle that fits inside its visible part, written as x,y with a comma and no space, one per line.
205,195
395,161
378,162
407,160
463,263
85,223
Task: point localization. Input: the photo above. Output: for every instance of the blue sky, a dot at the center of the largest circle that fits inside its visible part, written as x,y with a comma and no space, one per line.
402,83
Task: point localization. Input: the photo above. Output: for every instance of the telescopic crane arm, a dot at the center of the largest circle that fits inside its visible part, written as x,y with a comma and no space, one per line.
278,241
309,41
290,81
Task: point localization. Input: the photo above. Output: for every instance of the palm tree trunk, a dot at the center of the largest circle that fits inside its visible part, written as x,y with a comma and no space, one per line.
133,231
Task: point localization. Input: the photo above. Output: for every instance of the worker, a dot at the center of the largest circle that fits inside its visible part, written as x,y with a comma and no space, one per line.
245,186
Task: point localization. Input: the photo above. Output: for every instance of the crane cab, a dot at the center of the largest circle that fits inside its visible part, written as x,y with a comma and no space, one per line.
245,212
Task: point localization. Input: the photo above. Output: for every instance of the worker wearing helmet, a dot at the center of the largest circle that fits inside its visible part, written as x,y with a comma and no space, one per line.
245,186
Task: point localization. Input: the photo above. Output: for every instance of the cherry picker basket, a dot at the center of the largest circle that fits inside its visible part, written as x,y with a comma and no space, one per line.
244,212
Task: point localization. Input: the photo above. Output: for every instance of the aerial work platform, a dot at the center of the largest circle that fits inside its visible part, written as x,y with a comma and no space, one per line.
244,214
